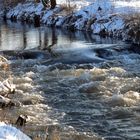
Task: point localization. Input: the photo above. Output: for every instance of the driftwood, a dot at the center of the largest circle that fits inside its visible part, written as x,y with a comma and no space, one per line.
3,59
5,102
6,87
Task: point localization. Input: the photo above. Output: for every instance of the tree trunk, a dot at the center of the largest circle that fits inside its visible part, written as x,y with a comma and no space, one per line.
53,4
37,1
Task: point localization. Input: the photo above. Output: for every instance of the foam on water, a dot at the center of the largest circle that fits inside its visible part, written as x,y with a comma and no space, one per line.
49,95
77,99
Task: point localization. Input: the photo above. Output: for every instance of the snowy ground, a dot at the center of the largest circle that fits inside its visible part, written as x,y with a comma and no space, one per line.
8,132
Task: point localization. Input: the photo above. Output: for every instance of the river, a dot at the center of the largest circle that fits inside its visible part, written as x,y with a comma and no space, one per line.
72,85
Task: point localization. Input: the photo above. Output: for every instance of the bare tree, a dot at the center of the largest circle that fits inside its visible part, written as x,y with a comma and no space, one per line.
53,4
47,2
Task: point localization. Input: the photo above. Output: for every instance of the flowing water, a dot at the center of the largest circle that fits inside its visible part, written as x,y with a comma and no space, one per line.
72,86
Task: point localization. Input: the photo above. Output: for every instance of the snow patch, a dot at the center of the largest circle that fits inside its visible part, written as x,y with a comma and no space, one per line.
8,132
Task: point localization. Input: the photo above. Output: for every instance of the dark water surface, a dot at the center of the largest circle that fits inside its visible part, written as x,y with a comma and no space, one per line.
62,45
86,85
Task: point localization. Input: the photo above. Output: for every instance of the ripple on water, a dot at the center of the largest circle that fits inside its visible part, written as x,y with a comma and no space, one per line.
84,101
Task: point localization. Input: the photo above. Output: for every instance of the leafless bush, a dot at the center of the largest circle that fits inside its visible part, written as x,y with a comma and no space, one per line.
132,26
133,19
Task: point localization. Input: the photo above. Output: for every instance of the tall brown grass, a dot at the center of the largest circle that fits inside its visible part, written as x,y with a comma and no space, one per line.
69,9
132,26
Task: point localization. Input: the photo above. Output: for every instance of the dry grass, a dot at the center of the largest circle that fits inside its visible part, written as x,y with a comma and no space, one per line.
132,27
133,19
68,8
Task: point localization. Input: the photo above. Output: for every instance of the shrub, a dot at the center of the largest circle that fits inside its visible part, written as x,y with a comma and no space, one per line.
132,27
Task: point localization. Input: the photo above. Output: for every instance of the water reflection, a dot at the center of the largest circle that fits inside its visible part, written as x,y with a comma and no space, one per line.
62,45
48,45
20,37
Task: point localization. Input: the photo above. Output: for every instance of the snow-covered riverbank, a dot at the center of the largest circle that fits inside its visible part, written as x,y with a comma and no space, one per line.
107,18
